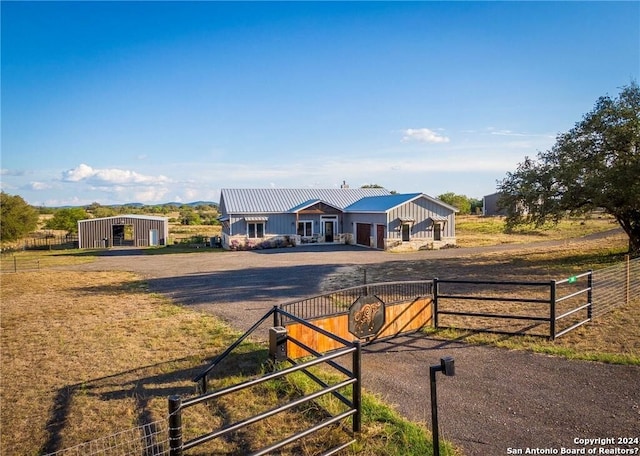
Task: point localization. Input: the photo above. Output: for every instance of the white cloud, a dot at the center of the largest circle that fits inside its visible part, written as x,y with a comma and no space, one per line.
39,186
110,176
11,172
423,135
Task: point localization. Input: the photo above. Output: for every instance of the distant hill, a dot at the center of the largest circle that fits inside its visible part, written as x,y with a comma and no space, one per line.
141,205
193,204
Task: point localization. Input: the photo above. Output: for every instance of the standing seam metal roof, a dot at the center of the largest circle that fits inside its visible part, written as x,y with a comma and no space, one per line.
381,203
277,200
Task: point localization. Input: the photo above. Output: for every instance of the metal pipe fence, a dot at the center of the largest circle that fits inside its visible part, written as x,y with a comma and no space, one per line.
338,302
177,443
497,305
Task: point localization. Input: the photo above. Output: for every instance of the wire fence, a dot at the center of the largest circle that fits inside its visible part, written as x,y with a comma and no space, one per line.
615,286
148,440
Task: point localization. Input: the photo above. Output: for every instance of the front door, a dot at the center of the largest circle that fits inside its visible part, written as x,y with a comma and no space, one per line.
380,237
328,231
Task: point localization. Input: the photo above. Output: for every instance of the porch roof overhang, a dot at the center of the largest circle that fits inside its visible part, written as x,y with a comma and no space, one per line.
259,218
311,203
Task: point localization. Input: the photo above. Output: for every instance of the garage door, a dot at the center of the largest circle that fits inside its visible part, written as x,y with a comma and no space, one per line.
363,234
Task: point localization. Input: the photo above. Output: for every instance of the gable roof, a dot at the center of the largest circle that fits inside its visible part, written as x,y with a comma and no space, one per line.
127,216
388,202
381,203
278,200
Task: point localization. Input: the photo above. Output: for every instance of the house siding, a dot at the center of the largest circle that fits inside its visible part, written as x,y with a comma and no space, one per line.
425,214
359,221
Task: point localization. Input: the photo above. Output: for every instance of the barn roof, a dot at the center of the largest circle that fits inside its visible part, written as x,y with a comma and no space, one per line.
278,200
131,216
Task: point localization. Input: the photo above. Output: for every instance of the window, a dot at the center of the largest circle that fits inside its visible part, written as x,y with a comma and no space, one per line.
406,230
255,229
437,232
305,228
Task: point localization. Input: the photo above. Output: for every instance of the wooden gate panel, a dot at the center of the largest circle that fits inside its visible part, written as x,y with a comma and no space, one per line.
400,318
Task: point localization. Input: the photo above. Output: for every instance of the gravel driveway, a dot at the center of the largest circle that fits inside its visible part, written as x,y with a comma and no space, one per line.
498,403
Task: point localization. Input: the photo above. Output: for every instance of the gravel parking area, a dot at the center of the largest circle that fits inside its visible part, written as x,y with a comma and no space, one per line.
499,402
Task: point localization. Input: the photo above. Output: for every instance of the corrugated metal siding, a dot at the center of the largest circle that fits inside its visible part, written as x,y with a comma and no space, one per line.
274,200
421,210
275,224
93,232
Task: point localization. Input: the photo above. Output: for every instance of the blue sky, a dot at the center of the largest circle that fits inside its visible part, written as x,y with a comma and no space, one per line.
116,102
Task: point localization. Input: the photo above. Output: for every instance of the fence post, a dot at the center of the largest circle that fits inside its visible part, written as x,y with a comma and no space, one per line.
15,264
628,258
590,294
435,303
357,387
552,310
175,426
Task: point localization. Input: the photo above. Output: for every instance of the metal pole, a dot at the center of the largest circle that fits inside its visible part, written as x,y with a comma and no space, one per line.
434,411
175,426
447,367
552,310
357,387
628,257
590,294
435,303
276,319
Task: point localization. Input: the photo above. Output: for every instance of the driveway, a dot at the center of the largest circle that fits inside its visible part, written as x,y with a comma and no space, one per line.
500,401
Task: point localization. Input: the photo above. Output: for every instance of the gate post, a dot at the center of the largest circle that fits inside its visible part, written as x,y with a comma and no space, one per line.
435,303
175,426
357,387
552,310
590,294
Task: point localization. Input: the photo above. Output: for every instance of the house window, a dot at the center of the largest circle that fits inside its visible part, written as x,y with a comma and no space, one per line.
255,229
406,232
305,228
437,232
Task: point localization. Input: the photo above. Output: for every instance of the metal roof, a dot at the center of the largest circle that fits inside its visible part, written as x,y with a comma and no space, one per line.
381,203
278,200
133,216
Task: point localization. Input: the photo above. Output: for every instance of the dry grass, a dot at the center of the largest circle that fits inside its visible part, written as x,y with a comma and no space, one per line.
90,354
474,231
87,354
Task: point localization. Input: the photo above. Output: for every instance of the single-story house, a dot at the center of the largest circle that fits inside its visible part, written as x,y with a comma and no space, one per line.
373,217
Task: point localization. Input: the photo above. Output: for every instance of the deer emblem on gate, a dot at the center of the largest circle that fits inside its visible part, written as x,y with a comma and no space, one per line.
366,316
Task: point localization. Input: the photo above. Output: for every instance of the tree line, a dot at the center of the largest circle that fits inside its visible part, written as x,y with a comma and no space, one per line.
595,165
18,218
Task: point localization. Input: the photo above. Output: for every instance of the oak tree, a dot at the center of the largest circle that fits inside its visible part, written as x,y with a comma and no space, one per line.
594,165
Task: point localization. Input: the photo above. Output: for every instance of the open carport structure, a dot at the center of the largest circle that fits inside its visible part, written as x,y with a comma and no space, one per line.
123,231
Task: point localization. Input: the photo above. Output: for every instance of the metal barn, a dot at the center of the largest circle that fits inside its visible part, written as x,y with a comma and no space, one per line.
123,231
